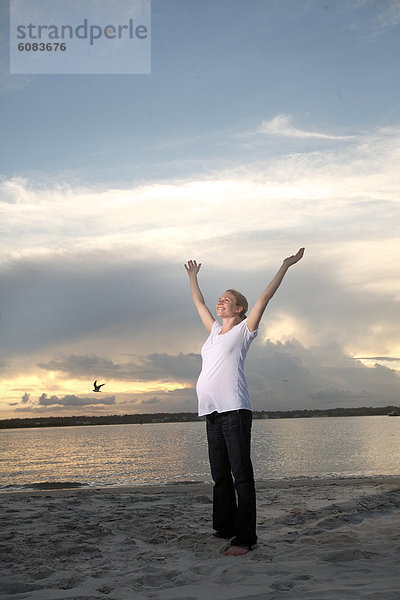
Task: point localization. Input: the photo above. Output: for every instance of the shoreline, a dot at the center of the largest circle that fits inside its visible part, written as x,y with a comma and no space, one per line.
71,488
319,539
14,423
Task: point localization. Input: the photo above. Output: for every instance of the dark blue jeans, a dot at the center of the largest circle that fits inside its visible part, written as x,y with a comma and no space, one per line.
228,436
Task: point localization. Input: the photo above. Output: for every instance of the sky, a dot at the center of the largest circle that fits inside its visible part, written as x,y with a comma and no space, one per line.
264,126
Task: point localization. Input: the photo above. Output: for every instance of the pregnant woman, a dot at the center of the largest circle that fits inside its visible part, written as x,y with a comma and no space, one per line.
224,400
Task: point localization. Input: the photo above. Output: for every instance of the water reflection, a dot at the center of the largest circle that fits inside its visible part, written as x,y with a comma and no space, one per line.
341,446
168,452
104,455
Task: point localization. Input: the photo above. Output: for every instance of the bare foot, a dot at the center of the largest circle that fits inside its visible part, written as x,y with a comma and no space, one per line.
235,551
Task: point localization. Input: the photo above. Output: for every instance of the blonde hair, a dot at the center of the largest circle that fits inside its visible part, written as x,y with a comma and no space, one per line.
240,301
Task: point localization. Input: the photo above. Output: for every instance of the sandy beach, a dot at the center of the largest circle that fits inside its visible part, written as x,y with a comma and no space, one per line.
318,539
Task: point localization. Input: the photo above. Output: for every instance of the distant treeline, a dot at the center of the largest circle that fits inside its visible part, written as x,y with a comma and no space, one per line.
185,417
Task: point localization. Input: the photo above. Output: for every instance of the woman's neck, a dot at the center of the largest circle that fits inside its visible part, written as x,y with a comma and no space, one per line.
229,323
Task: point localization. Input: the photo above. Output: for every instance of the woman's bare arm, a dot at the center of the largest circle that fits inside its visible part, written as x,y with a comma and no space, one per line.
192,269
255,315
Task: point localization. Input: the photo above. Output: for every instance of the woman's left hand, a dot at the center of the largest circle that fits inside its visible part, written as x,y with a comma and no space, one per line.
291,260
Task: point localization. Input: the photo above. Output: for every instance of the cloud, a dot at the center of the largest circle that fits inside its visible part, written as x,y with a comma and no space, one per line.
19,190
176,400
25,401
284,197
289,375
341,397
281,375
153,400
150,367
284,375
380,358
75,401
281,126
71,299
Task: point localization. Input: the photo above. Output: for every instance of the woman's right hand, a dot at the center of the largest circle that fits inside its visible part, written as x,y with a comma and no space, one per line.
192,268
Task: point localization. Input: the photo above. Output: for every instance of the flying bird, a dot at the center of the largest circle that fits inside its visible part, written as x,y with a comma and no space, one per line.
96,388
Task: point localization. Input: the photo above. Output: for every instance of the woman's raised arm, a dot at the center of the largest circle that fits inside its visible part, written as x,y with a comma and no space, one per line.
192,269
255,315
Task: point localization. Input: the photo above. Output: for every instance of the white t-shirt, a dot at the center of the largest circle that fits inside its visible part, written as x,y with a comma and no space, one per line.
222,385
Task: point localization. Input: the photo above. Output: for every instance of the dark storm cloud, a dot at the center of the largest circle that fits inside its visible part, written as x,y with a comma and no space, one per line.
280,375
289,375
23,402
153,400
47,301
339,396
150,367
66,298
179,400
71,400
380,358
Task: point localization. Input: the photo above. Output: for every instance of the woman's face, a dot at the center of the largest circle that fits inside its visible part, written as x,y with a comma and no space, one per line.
227,307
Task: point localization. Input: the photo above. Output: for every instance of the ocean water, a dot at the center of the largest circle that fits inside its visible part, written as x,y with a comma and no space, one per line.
161,453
